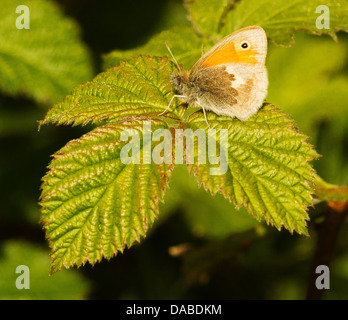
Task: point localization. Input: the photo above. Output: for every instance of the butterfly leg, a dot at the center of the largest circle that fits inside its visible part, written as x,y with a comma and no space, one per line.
170,102
205,115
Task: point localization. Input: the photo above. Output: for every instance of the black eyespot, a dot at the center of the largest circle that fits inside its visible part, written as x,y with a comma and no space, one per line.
244,45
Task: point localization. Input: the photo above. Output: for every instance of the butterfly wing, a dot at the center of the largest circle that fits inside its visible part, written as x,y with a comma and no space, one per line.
231,91
230,50
231,77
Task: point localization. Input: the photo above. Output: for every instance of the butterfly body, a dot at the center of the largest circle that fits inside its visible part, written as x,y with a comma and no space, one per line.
231,78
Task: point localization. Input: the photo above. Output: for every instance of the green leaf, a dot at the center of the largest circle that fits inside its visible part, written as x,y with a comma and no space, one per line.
183,42
214,19
281,18
93,204
207,16
45,61
268,170
316,97
139,87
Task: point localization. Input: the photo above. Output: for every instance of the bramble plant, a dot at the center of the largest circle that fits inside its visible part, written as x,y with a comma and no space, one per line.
94,204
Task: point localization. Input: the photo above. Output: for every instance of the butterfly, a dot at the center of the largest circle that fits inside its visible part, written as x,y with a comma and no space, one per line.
230,79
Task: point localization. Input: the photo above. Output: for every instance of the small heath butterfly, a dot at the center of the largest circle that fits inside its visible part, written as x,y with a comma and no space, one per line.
230,79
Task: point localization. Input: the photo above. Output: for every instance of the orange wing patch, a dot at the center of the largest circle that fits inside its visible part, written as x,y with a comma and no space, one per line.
229,53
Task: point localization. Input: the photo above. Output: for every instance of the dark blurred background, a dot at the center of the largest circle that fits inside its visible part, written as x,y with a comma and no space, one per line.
200,247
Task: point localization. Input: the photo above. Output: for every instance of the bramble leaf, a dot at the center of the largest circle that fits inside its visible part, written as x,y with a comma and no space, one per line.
139,87
207,16
282,17
93,204
268,170
316,97
45,61
183,42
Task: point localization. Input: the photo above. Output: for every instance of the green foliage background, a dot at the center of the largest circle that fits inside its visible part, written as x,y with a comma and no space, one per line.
200,246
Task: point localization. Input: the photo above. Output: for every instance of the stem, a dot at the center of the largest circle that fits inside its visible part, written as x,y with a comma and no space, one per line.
327,236
329,192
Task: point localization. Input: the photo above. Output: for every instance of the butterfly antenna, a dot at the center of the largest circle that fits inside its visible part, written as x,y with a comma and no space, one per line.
176,62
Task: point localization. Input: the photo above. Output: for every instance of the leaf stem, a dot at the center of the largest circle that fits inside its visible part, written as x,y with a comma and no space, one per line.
329,192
